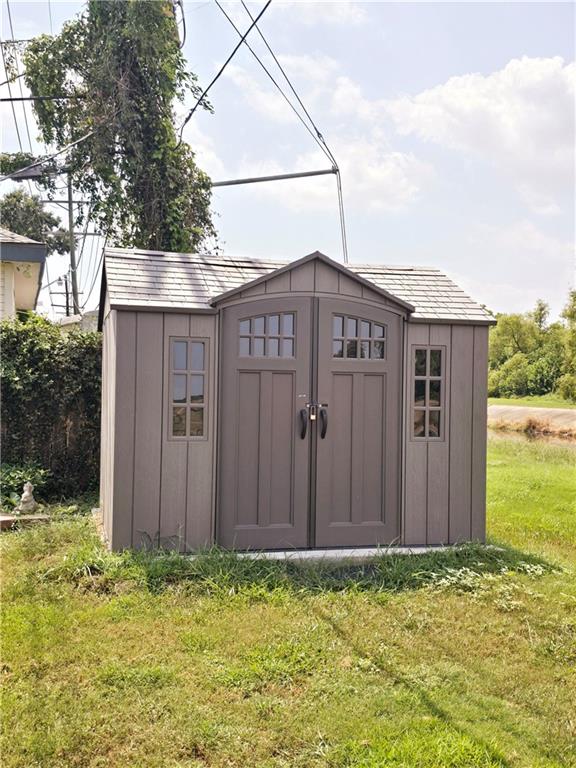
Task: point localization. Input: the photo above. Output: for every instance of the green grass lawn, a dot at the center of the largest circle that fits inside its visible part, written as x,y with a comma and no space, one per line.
534,401
463,659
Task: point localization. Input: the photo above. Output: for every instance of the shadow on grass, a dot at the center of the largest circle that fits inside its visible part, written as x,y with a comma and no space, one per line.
219,572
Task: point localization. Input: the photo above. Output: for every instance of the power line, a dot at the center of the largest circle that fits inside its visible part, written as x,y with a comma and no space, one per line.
12,79
318,134
319,138
95,277
267,71
12,102
19,80
49,158
282,70
221,70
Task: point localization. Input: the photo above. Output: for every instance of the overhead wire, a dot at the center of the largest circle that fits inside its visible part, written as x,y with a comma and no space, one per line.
274,81
312,129
321,139
96,273
220,71
19,80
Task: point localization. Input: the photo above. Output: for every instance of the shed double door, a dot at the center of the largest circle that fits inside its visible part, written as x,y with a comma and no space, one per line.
310,424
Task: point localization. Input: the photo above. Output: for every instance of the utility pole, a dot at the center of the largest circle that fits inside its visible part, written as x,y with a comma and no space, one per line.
74,276
67,295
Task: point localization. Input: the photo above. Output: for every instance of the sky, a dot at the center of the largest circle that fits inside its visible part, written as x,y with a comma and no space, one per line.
452,124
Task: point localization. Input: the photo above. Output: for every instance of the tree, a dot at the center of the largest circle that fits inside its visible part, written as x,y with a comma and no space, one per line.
513,333
26,215
569,315
540,314
120,65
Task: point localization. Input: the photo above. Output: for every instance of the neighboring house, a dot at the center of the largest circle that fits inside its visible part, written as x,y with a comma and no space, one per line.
86,322
270,405
21,269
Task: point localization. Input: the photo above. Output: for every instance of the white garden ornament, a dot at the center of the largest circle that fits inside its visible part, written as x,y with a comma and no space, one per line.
28,503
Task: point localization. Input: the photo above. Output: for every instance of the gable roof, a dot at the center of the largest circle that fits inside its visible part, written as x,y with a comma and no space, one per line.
315,256
178,281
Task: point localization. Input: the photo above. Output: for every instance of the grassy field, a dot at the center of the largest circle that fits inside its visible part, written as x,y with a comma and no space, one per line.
463,659
535,401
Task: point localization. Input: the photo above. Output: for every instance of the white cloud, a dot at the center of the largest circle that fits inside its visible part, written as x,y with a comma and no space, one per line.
268,102
510,267
203,146
521,118
373,178
341,13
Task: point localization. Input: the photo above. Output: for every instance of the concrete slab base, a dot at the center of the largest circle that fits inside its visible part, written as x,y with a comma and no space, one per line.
357,555
7,522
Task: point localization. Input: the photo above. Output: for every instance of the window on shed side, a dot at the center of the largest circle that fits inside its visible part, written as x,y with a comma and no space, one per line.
427,392
188,378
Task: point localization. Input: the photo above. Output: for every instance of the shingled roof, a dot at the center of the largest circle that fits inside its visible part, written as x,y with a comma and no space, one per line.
154,280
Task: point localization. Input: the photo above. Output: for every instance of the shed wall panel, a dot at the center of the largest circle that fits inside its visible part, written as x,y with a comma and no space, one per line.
107,421
461,397
479,434
148,427
123,433
174,486
199,530
439,452
416,463
302,277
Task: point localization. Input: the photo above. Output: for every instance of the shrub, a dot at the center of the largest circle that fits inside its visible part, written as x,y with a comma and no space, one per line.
566,387
51,402
14,477
514,375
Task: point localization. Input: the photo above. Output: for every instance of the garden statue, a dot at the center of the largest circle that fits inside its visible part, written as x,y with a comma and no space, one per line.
27,503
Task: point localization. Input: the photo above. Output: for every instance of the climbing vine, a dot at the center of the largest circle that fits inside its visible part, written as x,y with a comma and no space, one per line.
119,71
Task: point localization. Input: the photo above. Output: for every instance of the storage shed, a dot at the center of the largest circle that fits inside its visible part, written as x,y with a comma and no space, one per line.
269,405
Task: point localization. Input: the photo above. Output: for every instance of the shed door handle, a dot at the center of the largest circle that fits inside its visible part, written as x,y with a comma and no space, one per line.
323,422
303,422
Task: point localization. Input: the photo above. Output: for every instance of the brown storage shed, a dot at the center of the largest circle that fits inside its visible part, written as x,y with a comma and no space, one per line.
270,405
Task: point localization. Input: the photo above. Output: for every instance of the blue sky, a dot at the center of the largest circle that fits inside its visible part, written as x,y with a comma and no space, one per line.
453,124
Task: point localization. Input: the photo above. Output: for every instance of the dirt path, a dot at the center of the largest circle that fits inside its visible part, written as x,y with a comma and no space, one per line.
556,420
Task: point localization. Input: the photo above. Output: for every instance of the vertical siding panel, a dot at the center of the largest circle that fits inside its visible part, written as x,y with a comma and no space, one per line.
302,277
112,322
347,286
174,453
255,290
124,429
439,452
201,466
462,366
326,278
148,428
278,284
479,416
416,471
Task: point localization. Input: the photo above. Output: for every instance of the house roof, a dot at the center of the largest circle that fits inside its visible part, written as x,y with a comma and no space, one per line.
21,249
174,281
13,237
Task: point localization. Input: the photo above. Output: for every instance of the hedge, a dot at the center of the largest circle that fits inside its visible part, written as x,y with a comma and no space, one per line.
50,392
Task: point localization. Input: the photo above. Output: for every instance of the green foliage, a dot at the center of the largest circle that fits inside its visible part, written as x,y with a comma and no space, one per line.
51,401
527,355
566,387
569,315
26,215
121,65
14,477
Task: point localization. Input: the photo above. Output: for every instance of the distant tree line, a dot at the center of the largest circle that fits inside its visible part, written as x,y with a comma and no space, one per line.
531,356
